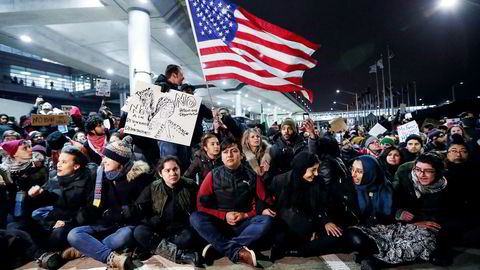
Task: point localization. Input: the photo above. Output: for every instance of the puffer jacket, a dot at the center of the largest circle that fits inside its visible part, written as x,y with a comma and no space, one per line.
201,166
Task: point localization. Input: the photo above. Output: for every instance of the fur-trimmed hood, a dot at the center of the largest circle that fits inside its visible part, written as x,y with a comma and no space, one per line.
139,167
256,159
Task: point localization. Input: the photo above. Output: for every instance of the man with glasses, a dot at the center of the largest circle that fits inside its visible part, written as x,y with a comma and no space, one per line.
437,141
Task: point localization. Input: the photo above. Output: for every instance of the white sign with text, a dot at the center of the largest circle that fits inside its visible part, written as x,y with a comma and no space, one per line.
405,130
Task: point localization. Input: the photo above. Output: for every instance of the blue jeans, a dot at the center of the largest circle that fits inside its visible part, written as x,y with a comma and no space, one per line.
228,239
41,213
83,239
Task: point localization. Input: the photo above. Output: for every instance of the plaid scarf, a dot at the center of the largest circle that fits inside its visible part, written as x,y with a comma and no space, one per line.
420,189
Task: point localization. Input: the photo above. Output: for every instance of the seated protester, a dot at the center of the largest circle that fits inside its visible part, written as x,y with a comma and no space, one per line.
22,175
413,147
75,184
420,202
228,202
437,141
97,138
118,183
256,151
224,126
462,225
36,137
303,226
167,204
205,159
390,160
286,146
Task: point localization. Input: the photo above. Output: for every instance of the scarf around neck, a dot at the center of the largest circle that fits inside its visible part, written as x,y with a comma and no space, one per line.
420,189
15,166
97,143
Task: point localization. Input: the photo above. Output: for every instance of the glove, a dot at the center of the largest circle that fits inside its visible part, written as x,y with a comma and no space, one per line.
403,215
113,215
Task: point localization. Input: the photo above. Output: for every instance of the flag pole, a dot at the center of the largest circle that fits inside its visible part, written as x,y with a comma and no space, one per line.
198,50
383,87
390,78
378,94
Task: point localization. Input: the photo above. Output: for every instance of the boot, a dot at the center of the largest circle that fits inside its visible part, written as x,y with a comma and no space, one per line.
50,260
120,262
170,251
71,253
187,257
247,256
209,254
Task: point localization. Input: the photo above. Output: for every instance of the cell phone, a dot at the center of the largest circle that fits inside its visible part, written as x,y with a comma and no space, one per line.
305,116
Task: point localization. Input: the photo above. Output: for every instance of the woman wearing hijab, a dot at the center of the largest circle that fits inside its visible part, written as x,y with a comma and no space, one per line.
304,227
419,198
390,160
256,150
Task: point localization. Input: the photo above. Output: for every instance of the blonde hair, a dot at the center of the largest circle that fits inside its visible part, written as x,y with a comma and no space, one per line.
245,136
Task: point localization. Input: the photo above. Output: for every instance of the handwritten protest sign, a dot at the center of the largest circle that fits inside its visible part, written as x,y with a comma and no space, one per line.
376,130
102,87
405,130
49,120
167,116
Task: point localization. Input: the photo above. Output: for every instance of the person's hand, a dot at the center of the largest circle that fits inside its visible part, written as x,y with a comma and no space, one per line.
35,191
308,124
264,167
428,225
269,212
232,217
38,101
333,229
59,224
314,236
403,215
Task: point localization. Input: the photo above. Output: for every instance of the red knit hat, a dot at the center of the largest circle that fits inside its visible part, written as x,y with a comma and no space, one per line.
11,147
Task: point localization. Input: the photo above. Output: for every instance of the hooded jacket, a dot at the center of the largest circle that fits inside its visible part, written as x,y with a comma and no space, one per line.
201,165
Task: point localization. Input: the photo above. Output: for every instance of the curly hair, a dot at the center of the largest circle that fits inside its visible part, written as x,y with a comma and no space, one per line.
93,122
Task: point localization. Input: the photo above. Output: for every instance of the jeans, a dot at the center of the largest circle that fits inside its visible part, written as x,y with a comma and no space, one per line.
228,239
148,239
83,238
41,213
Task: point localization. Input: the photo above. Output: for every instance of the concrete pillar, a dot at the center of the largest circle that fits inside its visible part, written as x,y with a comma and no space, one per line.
275,114
238,105
138,46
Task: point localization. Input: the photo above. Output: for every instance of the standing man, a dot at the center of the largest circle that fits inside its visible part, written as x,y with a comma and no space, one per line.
437,141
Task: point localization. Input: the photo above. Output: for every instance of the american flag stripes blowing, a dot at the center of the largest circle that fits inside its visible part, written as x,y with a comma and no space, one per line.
234,44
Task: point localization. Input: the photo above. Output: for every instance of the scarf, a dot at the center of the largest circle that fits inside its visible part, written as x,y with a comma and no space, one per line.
97,143
16,167
373,188
420,189
68,179
110,176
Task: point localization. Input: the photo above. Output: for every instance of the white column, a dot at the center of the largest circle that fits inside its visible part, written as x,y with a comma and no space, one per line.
275,114
238,105
139,46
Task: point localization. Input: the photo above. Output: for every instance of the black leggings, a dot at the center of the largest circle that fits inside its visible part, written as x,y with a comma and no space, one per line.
360,242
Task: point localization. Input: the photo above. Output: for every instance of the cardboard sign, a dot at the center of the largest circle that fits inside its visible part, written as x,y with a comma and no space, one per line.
338,125
167,116
49,120
405,130
102,87
377,130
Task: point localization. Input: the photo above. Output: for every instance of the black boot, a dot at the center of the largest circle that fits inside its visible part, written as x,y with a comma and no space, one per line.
170,251
186,257
369,263
50,260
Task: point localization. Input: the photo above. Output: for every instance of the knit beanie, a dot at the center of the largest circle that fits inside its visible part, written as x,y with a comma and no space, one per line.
39,149
11,147
387,140
370,141
75,111
56,140
414,137
302,161
11,133
34,134
120,151
435,133
291,123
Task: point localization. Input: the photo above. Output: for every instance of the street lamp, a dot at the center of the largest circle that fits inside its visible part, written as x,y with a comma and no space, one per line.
453,90
447,4
356,99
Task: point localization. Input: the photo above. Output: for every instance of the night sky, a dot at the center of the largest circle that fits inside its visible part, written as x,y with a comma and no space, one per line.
435,48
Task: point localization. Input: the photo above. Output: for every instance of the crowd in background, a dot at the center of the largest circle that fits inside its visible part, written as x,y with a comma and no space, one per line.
89,189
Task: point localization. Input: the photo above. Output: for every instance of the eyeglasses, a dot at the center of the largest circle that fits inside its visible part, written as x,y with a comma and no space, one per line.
419,171
456,152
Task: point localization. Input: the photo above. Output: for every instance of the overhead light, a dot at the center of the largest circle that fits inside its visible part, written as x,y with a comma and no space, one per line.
170,31
461,82
224,82
110,71
25,38
334,102
447,4
143,1
331,109
239,92
259,100
478,96
338,91
218,103
25,73
269,104
44,76
246,95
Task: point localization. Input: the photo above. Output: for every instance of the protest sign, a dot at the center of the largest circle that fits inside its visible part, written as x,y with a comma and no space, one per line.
66,109
102,87
405,130
49,120
338,125
377,130
169,116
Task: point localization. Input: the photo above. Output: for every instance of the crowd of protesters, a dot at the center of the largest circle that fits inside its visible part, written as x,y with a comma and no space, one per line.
237,190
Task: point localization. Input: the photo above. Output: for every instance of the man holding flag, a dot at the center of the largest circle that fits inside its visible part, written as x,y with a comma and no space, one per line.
234,44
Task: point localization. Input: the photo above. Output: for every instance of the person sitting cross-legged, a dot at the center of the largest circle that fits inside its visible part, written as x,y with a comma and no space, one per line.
228,202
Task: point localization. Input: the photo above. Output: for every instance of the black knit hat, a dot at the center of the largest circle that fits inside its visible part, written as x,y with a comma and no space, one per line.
120,151
457,139
56,140
414,137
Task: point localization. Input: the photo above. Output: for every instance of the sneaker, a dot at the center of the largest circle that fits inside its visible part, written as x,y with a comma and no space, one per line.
50,260
209,254
71,253
247,256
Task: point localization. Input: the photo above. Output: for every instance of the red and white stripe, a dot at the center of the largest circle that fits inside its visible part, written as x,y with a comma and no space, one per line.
262,55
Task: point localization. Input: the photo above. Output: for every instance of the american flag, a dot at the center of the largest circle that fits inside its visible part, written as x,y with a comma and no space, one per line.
234,44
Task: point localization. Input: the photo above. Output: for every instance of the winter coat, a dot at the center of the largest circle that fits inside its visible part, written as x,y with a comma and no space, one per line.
331,170
151,202
462,189
429,207
201,165
115,195
234,129
256,159
283,152
67,200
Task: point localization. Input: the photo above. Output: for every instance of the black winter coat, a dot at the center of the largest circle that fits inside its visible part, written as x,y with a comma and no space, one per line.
201,165
282,153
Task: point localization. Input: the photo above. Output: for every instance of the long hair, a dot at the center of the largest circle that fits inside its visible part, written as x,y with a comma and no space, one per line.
246,134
